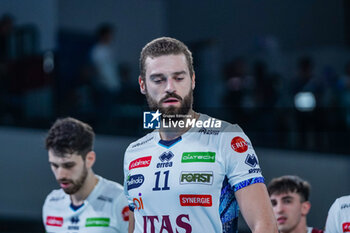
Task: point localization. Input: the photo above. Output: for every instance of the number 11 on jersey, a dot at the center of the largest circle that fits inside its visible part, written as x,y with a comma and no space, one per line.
165,187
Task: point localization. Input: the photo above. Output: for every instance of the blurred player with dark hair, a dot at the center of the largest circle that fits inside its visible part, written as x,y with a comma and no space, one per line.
290,201
86,202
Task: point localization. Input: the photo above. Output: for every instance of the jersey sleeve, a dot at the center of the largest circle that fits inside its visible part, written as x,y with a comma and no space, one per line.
126,176
122,213
240,160
332,225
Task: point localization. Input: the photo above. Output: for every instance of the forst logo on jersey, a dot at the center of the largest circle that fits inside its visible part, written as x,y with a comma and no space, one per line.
196,200
202,157
192,177
54,221
165,158
239,145
135,181
346,227
140,162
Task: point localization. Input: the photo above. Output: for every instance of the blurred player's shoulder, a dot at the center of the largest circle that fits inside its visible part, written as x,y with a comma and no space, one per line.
109,186
145,141
217,126
55,196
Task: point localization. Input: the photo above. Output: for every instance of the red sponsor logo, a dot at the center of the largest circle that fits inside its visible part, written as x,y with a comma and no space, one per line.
346,227
125,213
140,162
239,145
54,221
195,200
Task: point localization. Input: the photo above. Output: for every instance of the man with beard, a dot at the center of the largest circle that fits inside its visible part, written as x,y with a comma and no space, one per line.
290,201
86,202
195,170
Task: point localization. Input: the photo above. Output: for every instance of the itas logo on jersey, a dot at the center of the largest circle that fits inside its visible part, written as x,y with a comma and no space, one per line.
239,145
125,213
151,120
140,162
164,223
346,227
138,202
165,158
135,181
198,157
192,177
54,221
195,200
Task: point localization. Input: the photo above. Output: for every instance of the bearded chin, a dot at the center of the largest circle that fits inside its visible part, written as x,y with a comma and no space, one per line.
186,106
77,184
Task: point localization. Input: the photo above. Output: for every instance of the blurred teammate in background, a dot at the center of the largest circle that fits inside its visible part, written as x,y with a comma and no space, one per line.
338,219
189,179
86,202
290,201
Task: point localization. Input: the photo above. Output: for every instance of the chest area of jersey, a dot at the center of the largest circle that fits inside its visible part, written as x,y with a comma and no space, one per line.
178,173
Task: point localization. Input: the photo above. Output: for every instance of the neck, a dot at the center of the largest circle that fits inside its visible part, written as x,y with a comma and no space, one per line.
175,132
90,183
300,228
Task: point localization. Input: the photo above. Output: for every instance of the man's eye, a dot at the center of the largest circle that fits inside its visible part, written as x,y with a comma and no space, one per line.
179,78
68,166
54,165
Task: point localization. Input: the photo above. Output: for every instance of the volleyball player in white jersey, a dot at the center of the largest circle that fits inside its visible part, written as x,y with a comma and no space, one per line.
86,203
184,178
338,219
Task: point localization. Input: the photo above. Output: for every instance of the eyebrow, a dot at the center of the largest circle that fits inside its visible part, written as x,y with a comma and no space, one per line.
160,75
287,197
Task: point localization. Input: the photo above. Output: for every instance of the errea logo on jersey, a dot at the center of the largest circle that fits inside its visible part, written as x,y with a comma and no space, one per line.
54,221
140,162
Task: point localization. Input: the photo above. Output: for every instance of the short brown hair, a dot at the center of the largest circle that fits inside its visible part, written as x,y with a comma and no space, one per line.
285,184
165,46
69,136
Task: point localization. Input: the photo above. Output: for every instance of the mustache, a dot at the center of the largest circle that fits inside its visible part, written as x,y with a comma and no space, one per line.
65,181
171,95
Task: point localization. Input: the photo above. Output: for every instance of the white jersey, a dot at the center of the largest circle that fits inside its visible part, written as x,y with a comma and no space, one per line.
104,211
338,219
188,184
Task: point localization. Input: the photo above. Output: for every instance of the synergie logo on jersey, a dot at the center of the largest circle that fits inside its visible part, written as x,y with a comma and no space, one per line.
151,120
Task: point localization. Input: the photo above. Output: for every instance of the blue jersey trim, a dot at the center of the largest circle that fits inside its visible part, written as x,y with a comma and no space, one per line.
246,183
168,144
132,207
75,207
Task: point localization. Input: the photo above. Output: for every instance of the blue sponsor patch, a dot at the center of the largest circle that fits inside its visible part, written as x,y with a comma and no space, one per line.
135,181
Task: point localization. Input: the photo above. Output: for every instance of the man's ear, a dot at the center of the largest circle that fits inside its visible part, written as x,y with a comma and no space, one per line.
305,208
142,83
193,81
90,159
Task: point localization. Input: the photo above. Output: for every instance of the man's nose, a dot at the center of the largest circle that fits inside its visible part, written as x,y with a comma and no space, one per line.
279,208
170,86
61,173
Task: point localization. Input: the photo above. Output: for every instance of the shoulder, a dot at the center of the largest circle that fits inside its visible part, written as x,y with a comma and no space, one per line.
110,187
141,143
342,203
55,197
